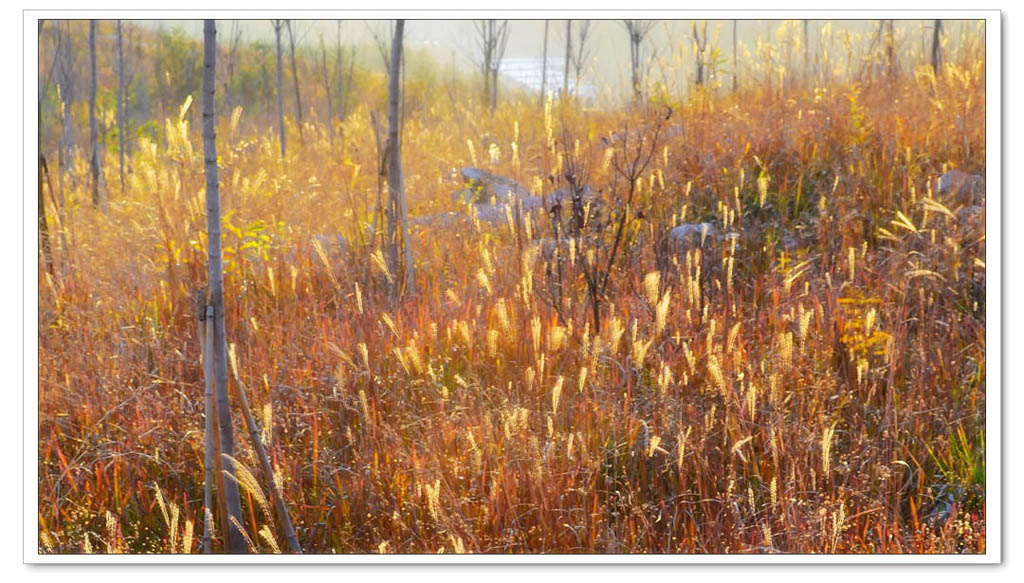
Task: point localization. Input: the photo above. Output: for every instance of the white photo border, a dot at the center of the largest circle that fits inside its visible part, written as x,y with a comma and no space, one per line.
993,316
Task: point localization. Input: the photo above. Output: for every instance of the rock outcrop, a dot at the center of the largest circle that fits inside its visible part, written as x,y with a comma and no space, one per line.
492,196
693,233
482,186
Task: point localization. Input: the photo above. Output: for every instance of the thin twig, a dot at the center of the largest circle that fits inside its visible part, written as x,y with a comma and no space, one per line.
261,453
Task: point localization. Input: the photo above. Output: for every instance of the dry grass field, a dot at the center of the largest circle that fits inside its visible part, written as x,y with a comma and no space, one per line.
807,378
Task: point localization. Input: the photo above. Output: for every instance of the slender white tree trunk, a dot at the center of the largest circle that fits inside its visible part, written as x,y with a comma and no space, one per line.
44,231
67,96
485,66
568,57
396,187
807,53
122,127
94,145
295,80
280,85
735,59
937,47
229,83
327,89
218,358
544,64
209,461
338,72
496,34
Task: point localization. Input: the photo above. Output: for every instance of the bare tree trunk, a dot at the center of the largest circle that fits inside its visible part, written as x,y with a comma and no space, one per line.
205,313
236,541
544,64
492,38
494,86
161,91
401,112
487,65
890,50
142,103
499,42
577,65
142,99
581,55
378,208
235,39
634,56
94,148
392,219
348,82
64,68
327,88
490,61
339,67
937,47
122,127
807,60
485,34
637,30
44,231
278,24
295,81
735,59
63,62
383,42
700,39
396,188
568,58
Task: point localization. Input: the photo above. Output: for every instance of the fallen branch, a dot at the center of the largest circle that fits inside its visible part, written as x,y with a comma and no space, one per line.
261,453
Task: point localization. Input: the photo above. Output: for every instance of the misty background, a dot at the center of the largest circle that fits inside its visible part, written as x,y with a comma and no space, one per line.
669,49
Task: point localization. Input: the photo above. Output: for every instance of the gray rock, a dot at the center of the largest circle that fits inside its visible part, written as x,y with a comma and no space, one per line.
971,216
548,245
566,194
495,214
790,243
492,196
438,220
968,188
698,233
466,195
593,208
469,173
485,186
530,203
334,246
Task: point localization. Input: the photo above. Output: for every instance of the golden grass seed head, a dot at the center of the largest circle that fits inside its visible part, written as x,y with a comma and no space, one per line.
268,536
556,393
652,283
